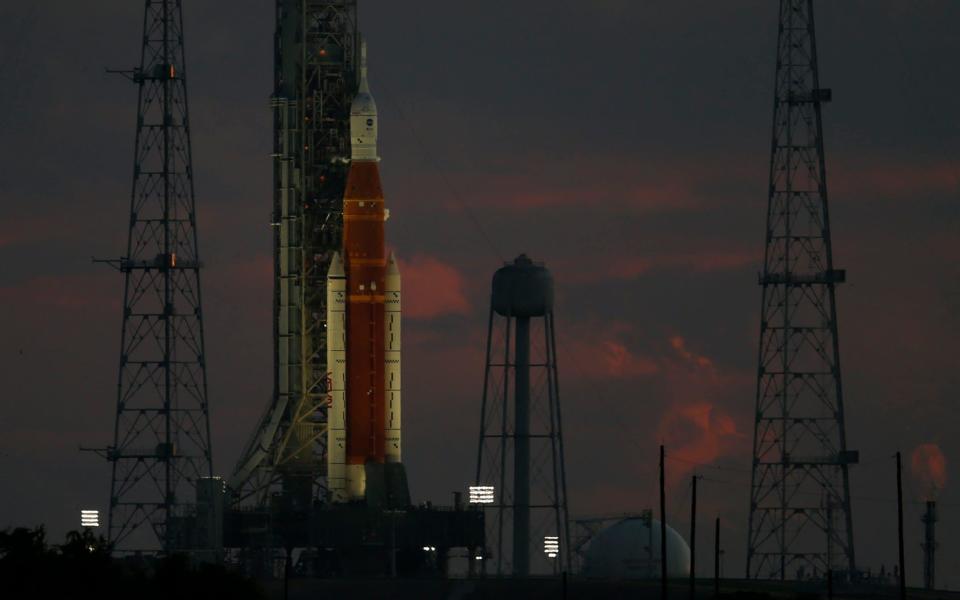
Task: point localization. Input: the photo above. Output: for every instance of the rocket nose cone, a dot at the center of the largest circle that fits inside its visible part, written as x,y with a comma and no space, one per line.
392,267
336,266
363,119
363,104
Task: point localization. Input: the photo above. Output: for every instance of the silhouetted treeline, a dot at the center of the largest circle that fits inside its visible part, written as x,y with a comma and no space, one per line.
82,567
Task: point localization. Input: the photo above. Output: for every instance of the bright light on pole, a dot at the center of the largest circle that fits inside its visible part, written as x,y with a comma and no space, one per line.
481,494
551,546
90,518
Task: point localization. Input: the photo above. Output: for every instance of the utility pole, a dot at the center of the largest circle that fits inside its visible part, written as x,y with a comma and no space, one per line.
799,375
829,552
286,572
693,540
903,574
663,529
930,546
716,558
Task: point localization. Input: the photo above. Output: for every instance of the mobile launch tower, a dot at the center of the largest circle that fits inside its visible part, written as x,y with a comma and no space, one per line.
316,75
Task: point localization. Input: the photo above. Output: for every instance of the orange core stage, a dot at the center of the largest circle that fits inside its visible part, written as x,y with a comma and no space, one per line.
365,265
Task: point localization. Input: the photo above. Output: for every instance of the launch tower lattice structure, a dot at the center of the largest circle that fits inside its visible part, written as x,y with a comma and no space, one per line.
800,517
161,446
520,449
316,76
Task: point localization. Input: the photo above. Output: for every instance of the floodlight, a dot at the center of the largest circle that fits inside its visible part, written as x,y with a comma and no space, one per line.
90,518
551,546
481,494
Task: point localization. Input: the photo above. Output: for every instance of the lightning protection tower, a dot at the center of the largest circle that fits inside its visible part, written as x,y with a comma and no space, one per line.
521,442
316,60
800,519
161,446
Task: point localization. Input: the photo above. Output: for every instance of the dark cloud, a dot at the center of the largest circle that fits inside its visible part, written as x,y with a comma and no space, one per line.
623,142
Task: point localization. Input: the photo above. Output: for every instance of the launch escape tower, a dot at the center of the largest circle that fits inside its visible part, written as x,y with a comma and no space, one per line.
161,448
315,78
800,518
531,490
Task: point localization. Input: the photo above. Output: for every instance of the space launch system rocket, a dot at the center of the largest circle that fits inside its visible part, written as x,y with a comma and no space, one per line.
363,321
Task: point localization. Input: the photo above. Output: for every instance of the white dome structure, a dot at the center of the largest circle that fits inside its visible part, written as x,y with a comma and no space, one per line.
630,549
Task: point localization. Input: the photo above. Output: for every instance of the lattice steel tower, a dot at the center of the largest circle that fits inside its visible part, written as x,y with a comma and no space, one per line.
800,518
520,450
315,79
161,444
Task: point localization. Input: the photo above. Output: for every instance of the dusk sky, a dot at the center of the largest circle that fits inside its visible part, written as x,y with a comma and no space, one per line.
623,142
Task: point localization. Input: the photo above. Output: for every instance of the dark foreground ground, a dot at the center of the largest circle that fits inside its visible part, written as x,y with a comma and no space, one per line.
82,567
536,589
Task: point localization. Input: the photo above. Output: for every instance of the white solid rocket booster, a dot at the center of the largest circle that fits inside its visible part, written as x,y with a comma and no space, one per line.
392,359
337,365
363,321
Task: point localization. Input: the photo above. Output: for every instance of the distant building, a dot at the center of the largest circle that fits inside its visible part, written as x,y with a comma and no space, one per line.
630,549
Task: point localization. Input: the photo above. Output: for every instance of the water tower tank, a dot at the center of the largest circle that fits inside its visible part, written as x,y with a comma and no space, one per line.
630,549
522,289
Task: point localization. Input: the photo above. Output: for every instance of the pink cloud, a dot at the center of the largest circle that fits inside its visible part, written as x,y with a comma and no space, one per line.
883,179
67,223
70,292
608,185
14,231
432,288
680,346
601,352
620,362
250,275
656,196
673,186
696,262
625,268
8,238
695,426
695,433
929,468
